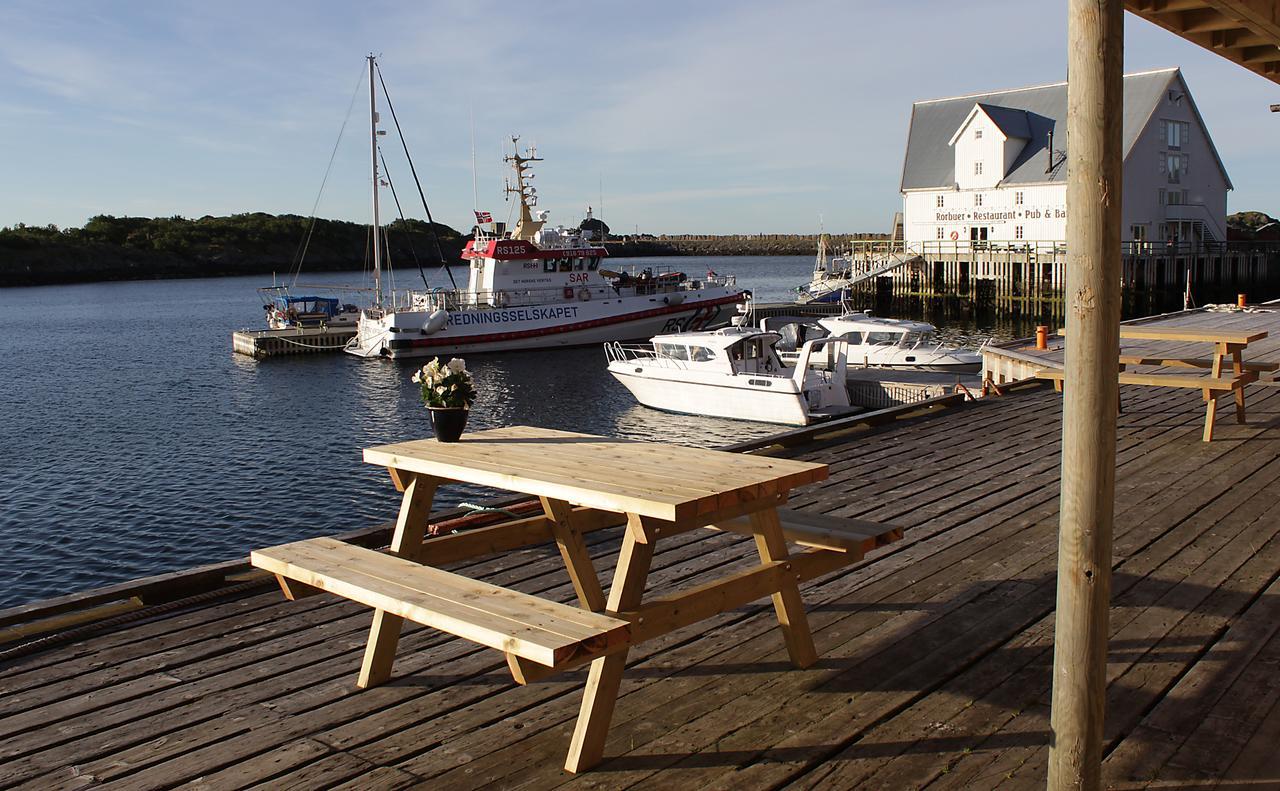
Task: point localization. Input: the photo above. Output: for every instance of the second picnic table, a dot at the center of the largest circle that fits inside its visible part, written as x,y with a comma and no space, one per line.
584,483
1229,346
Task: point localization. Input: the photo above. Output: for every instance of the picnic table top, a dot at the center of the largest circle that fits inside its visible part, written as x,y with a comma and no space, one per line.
1186,334
669,482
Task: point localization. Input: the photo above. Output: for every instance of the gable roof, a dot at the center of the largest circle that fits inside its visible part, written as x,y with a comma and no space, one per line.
930,162
1011,123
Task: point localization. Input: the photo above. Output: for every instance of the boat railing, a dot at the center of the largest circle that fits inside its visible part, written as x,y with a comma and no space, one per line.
616,352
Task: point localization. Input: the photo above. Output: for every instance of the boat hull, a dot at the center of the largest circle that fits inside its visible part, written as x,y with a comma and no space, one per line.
779,403
574,322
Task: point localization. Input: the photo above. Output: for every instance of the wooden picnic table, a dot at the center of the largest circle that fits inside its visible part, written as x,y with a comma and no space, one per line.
1229,346
584,483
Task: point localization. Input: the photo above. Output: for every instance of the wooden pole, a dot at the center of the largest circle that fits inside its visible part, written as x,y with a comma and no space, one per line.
1095,49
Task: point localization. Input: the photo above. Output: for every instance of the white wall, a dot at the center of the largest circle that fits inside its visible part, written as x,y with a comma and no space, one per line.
1042,214
989,149
1145,176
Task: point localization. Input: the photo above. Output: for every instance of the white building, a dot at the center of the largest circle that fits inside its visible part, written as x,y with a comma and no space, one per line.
991,167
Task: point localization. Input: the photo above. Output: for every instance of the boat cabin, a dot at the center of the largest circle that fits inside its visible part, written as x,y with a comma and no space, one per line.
304,311
861,329
732,350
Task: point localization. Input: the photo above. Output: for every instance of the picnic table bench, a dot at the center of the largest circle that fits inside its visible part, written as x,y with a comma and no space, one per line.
585,483
1229,346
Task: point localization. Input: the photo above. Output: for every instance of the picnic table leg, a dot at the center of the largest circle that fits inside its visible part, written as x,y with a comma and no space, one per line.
601,693
586,583
1237,366
787,602
411,526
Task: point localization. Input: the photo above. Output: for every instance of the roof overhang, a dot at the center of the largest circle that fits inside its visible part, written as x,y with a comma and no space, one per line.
1245,32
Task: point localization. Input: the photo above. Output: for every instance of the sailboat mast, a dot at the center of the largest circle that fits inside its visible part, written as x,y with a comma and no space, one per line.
377,226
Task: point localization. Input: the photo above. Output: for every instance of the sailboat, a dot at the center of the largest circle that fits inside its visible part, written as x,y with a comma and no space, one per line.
532,287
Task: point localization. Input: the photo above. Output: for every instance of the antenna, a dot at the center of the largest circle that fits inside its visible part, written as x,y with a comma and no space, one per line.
475,195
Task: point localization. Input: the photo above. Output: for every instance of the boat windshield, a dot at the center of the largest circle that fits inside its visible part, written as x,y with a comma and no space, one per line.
920,339
675,351
883,338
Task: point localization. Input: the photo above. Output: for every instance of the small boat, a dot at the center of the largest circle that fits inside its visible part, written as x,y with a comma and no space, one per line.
286,311
734,372
876,342
833,277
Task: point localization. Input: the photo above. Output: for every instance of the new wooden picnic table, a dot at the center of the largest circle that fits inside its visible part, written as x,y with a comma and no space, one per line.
1229,346
585,483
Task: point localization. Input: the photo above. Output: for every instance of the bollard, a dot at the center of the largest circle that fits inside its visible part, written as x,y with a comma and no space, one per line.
1241,300
1042,337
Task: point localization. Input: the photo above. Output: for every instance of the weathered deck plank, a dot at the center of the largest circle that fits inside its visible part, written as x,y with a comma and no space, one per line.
935,651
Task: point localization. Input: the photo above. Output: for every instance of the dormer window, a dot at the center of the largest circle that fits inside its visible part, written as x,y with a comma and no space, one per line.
977,168
977,134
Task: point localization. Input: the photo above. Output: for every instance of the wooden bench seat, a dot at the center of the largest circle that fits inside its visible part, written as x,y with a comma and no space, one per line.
541,631
1200,363
1223,384
852,537
1211,387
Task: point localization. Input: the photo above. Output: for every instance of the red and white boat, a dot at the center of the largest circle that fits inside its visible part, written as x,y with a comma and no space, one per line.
537,287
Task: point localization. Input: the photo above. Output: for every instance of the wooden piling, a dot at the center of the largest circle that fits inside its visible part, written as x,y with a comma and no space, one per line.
1095,53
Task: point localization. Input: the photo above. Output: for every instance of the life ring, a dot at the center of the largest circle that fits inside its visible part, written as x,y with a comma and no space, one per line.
584,293
955,235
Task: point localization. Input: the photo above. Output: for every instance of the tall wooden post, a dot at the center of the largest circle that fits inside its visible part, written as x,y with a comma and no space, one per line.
1095,49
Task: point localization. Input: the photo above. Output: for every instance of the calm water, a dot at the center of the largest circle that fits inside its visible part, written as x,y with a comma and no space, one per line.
135,442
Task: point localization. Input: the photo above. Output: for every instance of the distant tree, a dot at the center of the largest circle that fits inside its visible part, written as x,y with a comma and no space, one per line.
597,227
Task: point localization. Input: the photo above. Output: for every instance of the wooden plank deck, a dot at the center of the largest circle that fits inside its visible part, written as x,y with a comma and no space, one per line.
1266,319
936,651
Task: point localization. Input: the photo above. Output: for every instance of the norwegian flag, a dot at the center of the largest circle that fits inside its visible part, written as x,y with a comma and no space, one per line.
483,217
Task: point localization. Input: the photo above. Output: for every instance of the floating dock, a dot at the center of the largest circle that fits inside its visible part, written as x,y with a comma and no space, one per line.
260,344
936,651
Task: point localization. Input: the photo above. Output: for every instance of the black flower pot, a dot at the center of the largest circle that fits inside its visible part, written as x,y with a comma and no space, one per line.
448,422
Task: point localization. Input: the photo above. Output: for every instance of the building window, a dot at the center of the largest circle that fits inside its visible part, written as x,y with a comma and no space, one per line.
1175,197
977,199
1017,232
977,134
941,233
1160,197
1017,199
977,168
1176,133
939,201
1138,233
1175,165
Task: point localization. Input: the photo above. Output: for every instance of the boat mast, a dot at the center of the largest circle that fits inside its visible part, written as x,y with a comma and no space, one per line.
526,227
377,229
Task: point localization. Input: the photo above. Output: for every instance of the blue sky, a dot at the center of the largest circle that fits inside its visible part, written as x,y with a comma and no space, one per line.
717,117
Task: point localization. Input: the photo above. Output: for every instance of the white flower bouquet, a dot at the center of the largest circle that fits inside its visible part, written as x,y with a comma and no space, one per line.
448,386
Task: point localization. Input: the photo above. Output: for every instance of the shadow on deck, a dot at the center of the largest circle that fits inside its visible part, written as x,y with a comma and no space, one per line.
936,651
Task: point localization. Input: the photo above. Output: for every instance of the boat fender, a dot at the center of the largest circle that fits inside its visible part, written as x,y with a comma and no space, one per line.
584,293
568,292
673,299
435,323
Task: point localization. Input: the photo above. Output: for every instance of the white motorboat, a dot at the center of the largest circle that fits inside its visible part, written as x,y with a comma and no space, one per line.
876,342
533,287
734,372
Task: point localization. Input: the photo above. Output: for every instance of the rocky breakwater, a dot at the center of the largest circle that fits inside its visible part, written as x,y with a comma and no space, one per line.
739,244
